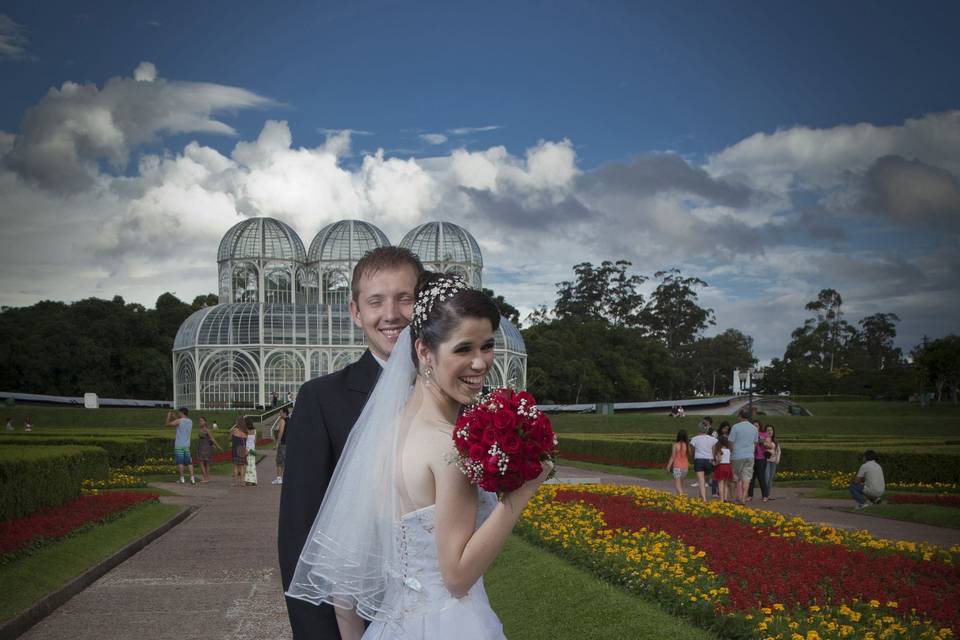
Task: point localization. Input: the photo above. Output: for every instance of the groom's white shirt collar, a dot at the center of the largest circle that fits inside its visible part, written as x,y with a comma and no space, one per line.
380,361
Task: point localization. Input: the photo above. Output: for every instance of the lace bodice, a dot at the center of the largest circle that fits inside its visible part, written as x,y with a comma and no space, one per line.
423,589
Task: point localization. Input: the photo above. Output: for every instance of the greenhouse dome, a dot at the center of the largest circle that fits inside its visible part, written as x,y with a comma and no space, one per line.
448,248
284,314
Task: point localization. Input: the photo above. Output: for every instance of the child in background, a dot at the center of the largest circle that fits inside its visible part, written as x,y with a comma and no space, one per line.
679,461
250,474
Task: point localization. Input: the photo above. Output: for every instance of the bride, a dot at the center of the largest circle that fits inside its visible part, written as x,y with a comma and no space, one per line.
402,538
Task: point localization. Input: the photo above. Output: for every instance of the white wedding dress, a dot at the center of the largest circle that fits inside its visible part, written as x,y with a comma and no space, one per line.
425,607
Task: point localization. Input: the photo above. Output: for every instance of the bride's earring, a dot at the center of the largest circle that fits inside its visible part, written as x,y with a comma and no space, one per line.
426,374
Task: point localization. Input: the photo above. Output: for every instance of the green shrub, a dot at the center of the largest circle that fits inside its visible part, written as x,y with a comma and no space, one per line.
35,477
900,464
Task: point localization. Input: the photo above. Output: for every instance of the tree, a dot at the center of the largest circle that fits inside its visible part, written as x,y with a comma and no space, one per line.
829,323
673,314
606,293
715,358
507,310
939,360
876,334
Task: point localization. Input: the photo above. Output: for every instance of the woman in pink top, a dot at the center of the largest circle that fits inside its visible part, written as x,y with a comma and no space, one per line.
679,461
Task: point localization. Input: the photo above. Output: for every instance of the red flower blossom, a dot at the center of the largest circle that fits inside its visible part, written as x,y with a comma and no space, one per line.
760,569
51,523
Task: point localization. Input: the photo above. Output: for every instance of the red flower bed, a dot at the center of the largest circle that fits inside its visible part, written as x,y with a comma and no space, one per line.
620,462
940,500
50,523
761,570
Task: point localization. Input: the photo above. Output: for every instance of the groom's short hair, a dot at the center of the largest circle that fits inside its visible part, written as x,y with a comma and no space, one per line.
383,258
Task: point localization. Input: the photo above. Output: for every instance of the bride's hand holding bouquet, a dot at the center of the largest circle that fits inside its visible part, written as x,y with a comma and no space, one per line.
504,442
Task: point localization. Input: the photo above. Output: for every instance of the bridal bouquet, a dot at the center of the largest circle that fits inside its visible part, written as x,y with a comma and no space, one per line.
502,440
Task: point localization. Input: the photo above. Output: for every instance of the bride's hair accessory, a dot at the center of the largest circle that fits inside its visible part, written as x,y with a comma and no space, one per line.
440,289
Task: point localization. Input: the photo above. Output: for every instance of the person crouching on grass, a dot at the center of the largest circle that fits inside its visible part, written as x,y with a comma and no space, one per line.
868,485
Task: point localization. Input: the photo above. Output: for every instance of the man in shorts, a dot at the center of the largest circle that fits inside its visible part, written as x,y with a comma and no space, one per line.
281,444
743,440
181,443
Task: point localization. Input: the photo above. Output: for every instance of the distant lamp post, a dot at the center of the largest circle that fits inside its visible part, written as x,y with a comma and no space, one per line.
746,380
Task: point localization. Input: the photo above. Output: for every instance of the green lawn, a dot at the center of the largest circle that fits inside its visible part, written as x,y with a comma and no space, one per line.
539,596
648,474
28,579
921,513
830,419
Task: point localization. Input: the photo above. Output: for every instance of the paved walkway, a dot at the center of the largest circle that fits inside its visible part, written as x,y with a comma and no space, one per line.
215,576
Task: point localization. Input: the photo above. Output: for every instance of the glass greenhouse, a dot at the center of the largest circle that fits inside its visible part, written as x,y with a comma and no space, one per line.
283,316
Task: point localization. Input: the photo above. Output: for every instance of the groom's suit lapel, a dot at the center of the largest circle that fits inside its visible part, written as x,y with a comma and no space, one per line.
360,379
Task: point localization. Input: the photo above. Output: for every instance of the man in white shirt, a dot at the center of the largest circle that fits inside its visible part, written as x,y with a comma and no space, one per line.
703,460
868,486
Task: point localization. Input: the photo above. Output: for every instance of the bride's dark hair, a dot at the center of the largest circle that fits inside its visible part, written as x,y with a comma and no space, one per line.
444,317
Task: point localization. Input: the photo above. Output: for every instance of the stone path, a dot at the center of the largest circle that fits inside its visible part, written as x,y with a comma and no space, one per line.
215,576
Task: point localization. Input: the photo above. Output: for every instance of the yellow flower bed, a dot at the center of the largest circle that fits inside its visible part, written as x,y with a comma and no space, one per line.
665,569
117,480
843,480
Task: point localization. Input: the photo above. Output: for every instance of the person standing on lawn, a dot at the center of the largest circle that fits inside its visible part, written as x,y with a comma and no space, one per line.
702,444
205,446
743,441
868,486
181,443
281,444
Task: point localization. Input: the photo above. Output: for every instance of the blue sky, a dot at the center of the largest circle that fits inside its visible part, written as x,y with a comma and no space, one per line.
743,142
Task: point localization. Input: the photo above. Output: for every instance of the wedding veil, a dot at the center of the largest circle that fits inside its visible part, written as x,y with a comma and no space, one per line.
349,559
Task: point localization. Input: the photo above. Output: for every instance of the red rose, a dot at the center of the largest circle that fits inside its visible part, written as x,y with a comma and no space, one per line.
532,450
504,420
510,443
476,431
511,482
523,395
531,469
491,466
489,436
489,483
477,452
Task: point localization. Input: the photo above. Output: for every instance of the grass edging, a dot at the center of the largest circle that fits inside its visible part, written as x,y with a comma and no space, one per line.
22,622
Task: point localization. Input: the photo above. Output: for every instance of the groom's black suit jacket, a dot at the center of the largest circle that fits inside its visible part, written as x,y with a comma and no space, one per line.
316,433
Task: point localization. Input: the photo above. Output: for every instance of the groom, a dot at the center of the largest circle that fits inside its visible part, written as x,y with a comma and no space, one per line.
382,304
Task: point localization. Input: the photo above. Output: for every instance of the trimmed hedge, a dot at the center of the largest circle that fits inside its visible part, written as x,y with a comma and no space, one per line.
121,452
900,464
35,477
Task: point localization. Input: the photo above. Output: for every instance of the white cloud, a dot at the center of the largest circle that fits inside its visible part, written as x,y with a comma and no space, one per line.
464,131
73,128
13,39
145,72
433,138
71,228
